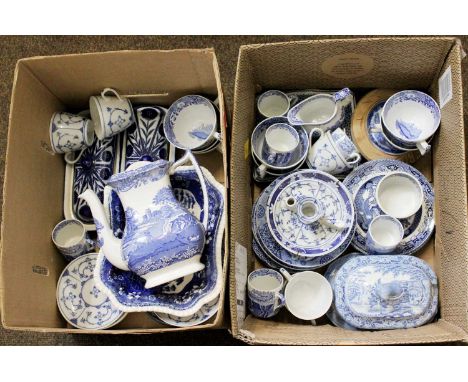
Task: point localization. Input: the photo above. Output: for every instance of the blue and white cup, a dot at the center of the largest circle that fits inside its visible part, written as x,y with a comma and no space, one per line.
273,103
345,146
71,239
384,235
281,141
70,133
265,292
409,119
111,114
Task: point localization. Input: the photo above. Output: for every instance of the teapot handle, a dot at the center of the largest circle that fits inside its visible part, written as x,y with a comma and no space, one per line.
188,156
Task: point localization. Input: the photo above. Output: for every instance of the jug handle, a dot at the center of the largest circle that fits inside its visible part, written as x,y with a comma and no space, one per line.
188,156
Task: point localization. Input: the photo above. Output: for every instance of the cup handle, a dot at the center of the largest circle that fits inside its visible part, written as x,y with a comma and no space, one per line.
73,161
279,301
423,147
261,171
188,156
113,91
355,161
286,274
313,131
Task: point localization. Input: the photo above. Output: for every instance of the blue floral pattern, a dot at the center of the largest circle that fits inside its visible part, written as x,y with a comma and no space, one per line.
67,132
362,183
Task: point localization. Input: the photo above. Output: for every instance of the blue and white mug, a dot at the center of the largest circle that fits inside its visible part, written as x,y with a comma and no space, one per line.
281,141
70,133
111,114
71,239
384,235
265,292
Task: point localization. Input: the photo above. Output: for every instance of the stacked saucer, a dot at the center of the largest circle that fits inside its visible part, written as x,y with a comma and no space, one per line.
302,221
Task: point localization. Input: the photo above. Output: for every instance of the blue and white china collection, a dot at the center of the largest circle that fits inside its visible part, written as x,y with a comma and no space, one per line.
310,211
159,222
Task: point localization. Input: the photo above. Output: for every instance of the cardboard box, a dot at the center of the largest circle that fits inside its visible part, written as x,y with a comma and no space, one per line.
34,179
360,64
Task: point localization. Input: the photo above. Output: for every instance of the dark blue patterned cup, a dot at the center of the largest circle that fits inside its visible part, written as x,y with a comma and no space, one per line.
265,287
281,141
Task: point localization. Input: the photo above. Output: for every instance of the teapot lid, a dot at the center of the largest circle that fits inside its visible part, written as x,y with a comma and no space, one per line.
386,292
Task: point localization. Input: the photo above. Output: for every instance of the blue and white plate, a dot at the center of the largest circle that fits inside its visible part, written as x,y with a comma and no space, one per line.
204,314
377,138
385,292
269,262
314,239
273,250
362,184
145,139
183,297
81,302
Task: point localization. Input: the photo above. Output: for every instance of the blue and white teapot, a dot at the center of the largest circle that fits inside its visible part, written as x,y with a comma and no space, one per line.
162,240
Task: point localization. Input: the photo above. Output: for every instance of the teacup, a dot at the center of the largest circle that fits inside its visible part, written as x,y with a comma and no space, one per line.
70,133
384,234
409,119
281,141
322,110
265,288
71,239
111,114
399,194
344,145
308,295
325,155
256,144
273,103
191,123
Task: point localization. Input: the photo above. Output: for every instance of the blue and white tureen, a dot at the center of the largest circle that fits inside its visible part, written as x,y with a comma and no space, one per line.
385,292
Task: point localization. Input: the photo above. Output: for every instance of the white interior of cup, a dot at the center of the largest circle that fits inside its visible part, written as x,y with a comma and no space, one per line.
265,280
399,195
308,295
386,231
68,233
282,138
319,109
409,120
273,104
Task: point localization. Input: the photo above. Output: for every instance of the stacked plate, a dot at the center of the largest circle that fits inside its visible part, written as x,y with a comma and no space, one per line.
303,221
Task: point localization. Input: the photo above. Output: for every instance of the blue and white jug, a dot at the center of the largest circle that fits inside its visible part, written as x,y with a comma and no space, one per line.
162,240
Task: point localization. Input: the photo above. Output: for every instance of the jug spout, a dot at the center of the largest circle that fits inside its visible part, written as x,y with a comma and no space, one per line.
109,244
342,95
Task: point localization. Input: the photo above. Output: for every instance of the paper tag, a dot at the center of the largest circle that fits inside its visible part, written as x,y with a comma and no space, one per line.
445,87
348,65
241,281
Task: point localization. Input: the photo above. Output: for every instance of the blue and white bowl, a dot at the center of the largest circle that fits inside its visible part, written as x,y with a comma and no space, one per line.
191,123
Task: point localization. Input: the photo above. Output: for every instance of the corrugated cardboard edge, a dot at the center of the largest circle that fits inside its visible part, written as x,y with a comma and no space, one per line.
249,337
219,321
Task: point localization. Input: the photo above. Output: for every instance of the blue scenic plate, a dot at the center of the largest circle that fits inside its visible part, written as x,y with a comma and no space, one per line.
81,302
183,297
314,239
273,250
386,292
377,138
204,314
145,139
362,184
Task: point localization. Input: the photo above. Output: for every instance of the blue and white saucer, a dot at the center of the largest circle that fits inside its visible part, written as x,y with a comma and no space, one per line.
186,296
81,302
204,314
311,239
275,252
362,184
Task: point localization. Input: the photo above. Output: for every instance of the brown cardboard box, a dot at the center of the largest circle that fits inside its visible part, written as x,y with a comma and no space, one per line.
34,179
364,64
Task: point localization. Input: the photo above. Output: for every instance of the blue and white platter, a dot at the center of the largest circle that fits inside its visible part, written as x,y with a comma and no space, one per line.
362,184
81,302
186,296
276,253
385,292
145,139
204,314
315,239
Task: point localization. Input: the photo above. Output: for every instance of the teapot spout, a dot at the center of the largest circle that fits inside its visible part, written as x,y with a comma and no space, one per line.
109,244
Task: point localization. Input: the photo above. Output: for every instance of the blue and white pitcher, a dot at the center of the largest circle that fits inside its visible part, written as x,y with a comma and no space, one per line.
162,240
